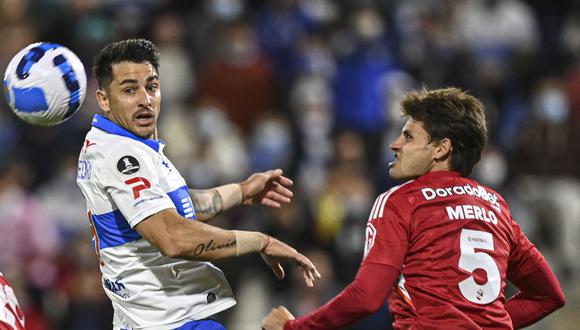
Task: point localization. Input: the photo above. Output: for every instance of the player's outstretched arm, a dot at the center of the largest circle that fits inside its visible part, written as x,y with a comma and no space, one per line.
366,294
268,188
177,237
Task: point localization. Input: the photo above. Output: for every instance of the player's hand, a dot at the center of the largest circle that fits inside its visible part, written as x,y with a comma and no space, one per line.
277,318
276,252
268,188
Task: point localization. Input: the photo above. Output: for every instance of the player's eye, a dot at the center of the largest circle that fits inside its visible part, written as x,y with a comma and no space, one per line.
408,136
153,87
129,90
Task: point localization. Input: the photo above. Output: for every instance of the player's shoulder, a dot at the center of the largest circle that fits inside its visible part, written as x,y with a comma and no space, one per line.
400,190
395,196
112,155
404,191
110,145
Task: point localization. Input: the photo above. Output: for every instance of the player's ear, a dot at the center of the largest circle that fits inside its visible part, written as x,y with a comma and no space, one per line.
442,150
103,100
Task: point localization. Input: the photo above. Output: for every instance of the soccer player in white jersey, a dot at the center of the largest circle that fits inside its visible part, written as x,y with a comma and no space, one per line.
149,232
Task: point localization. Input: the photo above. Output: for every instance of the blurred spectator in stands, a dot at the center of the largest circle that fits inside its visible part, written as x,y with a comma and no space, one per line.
62,202
547,137
312,108
177,75
79,302
271,145
496,33
203,21
569,39
304,300
429,45
358,102
501,39
240,78
341,209
27,232
29,241
253,297
313,56
83,26
13,11
218,151
14,37
282,23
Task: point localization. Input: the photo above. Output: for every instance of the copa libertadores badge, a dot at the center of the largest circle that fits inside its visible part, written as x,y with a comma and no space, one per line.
128,165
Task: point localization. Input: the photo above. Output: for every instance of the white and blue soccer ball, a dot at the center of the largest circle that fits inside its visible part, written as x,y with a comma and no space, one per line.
45,84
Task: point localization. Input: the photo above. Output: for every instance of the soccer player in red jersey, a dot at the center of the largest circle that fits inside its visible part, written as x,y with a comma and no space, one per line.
11,315
440,247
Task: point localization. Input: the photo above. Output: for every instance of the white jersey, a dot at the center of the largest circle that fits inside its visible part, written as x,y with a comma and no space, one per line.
125,179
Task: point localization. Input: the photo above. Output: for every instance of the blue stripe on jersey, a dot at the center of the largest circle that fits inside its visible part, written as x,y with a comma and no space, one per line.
113,229
202,325
104,124
182,201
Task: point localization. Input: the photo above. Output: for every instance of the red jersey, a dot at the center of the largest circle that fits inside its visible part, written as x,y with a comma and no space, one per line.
455,243
11,316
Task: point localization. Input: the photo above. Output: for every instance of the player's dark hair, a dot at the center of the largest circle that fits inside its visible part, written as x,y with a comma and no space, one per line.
130,50
454,114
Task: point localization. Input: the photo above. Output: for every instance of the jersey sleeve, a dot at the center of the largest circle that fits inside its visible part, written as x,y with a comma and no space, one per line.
366,294
130,177
540,294
387,235
524,256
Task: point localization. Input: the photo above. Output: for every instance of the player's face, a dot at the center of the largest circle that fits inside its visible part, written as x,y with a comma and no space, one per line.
133,98
414,155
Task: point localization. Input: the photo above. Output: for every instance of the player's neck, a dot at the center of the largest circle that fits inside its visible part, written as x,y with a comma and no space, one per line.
441,166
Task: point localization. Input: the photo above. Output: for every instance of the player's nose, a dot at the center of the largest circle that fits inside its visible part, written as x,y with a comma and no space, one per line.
396,145
145,99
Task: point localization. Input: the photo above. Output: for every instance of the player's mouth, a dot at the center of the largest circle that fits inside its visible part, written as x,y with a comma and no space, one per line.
391,164
145,118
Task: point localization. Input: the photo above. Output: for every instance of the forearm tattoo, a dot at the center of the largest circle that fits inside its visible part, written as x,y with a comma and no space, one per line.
204,248
207,203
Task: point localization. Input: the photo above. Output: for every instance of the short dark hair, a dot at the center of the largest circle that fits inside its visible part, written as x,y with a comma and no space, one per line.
454,114
130,50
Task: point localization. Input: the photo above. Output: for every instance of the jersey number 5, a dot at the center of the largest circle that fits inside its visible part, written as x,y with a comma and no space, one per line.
471,260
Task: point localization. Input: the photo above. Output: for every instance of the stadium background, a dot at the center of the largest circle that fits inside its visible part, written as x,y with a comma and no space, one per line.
310,86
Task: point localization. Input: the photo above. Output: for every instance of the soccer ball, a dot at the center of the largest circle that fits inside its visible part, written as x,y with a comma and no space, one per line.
45,84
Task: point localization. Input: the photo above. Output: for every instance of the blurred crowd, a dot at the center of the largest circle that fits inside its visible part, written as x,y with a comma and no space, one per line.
312,87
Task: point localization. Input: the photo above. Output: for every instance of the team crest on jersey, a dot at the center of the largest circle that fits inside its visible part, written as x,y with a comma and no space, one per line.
128,165
211,297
